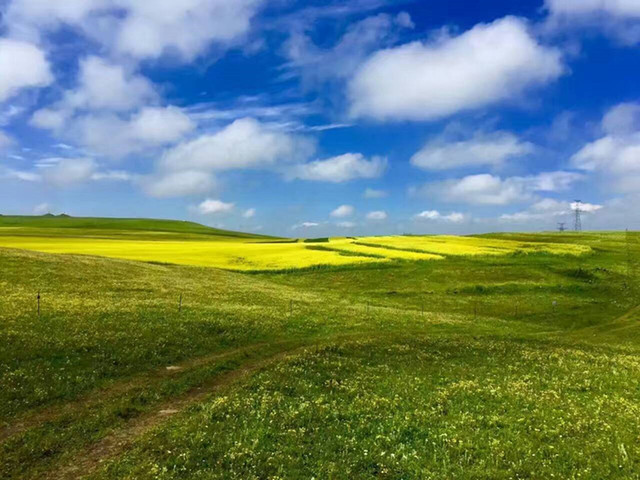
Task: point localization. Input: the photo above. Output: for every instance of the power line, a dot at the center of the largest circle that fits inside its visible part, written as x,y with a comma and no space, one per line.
577,206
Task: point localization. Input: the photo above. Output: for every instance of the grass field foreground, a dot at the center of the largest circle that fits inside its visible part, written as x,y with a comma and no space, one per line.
475,366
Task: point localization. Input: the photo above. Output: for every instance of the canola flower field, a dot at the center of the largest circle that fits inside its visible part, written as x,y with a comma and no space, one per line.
258,254
499,356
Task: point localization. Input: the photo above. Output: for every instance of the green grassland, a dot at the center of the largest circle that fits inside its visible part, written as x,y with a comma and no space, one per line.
524,364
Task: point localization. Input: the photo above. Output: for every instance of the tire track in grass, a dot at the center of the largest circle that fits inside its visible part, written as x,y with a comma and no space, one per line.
87,461
98,396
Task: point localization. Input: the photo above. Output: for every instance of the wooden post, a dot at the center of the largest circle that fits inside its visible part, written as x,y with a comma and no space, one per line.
290,307
38,298
475,311
180,304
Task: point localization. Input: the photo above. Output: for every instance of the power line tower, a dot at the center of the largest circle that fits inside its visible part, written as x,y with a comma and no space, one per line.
577,207
561,227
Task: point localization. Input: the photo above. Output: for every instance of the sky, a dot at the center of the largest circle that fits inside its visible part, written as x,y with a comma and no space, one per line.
316,118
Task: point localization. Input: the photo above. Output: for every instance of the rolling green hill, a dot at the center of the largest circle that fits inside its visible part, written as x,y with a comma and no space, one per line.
64,225
479,366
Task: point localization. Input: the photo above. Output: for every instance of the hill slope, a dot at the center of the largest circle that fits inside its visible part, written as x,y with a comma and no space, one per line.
53,224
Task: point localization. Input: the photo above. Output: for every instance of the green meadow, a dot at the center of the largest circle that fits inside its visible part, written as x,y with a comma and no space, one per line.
495,357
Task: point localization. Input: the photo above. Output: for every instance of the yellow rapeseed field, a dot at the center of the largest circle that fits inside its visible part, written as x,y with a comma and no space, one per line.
453,245
250,255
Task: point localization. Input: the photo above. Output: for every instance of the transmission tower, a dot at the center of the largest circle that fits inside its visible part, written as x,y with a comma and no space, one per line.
561,227
578,210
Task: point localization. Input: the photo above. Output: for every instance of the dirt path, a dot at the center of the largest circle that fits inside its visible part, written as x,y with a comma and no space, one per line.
99,396
87,461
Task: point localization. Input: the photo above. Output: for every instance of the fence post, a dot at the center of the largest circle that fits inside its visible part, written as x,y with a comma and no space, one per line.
180,304
290,307
38,298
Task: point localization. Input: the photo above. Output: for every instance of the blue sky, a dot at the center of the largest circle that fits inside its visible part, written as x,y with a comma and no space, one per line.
323,118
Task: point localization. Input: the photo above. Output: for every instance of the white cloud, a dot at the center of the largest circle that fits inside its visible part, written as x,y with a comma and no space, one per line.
420,81
158,126
619,19
5,140
305,225
615,156
41,209
187,27
244,144
214,207
140,29
623,8
486,189
178,184
453,217
377,215
586,207
22,65
113,176
343,211
342,168
249,213
548,211
68,171
372,193
22,175
50,119
63,146
346,224
116,136
102,85
316,64
482,149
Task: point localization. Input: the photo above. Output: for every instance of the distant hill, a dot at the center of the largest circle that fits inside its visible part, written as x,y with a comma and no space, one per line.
64,221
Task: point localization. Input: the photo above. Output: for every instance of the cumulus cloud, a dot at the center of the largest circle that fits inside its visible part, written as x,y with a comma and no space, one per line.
433,79
117,136
22,175
110,112
619,19
483,149
616,155
249,213
342,168
622,8
373,193
343,211
305,225
486,189
549,211
377,215
214,207
317,64
453,217
69,171
245,143
22,65
346,224
178,184
103,85
140,30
